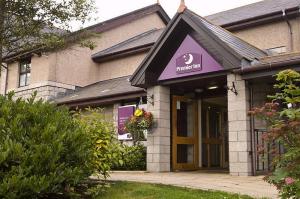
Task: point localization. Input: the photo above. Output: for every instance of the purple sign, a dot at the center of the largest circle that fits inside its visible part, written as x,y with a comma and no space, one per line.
189,62
124,113
189,59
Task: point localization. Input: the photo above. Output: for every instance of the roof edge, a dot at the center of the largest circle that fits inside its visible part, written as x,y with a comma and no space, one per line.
123,53
268,65
98,98
107,25
261,19
151,8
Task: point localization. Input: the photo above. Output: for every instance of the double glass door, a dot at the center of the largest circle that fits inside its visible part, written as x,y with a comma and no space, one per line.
186,129
185,141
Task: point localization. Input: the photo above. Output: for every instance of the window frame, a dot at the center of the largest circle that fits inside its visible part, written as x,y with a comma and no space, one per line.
27,72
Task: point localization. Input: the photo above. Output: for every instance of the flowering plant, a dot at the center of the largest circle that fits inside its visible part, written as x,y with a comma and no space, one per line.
282,116
138,123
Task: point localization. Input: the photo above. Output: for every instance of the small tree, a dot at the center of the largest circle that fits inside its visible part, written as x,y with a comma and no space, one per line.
30,24
282,116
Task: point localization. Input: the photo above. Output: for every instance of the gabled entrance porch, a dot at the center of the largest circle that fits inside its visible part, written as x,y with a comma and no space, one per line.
188,72
199,130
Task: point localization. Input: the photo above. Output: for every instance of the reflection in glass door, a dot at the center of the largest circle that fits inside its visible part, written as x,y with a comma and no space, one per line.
214,137
184,133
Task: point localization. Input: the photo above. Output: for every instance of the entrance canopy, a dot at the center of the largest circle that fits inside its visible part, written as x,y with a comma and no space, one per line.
192,47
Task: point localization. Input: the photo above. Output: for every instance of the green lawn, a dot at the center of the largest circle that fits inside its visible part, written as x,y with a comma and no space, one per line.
128,190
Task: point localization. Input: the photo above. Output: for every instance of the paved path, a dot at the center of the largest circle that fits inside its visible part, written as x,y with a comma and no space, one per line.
253,186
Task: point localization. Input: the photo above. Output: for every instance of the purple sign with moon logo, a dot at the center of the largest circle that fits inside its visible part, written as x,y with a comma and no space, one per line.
124,113
189,59
189,62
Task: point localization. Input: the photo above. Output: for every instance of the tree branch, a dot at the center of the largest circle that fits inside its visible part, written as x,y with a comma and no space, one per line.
4,66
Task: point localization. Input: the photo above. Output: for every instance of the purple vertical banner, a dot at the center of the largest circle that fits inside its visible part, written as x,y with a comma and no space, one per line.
124,113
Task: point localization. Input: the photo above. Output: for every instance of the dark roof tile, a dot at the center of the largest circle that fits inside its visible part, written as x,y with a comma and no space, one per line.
240,46
252,10
102,89
144,39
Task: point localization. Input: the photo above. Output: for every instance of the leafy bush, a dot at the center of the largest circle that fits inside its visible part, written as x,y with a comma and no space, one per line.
282,116
46,152
106,148
133,158
43,151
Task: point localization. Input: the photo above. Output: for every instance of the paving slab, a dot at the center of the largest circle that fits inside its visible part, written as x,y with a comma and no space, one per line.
253,186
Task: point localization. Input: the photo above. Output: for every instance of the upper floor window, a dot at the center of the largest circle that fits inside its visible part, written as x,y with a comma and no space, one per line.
277,50
25,67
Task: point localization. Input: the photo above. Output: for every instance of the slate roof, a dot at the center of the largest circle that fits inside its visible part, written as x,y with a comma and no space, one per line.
252,10
230,50
115,22
102,89
240,46
145,39
131,16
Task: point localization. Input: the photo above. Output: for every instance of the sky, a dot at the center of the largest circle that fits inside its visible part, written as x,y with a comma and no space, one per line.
107,9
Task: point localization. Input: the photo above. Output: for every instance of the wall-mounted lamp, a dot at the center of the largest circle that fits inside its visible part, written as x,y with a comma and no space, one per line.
232,88
150,99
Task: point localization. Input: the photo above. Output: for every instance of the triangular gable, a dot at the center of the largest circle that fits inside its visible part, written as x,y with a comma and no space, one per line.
189,59
230,51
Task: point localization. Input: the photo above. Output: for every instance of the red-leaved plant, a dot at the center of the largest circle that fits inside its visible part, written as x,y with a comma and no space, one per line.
282,117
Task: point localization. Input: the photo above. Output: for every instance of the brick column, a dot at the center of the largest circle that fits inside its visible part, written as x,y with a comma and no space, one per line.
239,128
159,140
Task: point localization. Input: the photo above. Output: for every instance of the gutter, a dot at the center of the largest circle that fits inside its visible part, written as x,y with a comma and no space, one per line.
101,99
123,53
259,20
270,65
252,154
6,80
290,29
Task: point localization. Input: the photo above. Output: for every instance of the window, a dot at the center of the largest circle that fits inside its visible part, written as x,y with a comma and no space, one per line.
277,50
25,67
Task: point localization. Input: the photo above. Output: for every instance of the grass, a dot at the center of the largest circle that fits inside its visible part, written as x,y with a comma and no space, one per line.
131,190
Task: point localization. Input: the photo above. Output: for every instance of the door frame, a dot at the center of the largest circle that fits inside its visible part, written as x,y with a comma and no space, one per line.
194,140
220,141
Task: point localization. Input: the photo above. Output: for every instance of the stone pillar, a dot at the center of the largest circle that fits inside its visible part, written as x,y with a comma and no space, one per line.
115,114
159,140
239,128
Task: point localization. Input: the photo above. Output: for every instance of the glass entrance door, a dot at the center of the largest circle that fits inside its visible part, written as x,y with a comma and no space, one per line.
214,137
184,134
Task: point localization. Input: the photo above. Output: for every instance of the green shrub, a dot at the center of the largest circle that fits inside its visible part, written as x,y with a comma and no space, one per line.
106,148
133,158
282,116
43,151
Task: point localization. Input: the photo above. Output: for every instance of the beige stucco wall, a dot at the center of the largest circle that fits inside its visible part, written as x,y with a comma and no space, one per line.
74,65
40,67
13,75
119,67
272,35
